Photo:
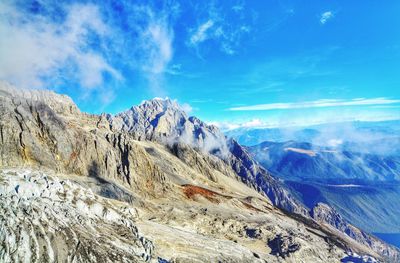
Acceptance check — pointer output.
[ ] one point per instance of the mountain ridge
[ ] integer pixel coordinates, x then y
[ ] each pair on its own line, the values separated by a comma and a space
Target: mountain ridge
364, 187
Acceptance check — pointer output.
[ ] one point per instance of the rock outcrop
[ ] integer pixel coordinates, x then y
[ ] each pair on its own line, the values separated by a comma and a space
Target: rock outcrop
256, 176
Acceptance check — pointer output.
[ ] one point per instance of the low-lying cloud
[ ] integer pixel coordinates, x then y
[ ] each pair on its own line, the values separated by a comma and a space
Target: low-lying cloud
316, 104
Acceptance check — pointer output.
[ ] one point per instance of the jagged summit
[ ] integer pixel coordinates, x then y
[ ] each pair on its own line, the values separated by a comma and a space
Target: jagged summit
166, 102
164, 120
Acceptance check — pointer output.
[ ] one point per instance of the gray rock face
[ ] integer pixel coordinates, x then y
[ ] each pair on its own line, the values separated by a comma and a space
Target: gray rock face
163, 120
327, 215
43, 129
253, 174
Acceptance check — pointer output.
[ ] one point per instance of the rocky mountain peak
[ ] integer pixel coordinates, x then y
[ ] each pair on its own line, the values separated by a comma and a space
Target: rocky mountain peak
161, 104
165, 121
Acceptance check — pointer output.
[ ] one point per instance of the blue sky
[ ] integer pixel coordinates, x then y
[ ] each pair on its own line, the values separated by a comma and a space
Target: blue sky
234, 63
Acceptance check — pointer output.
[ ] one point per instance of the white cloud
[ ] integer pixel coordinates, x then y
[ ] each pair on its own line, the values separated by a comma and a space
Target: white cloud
237, 8
317, 104
213, 26
201, 33
86, 45
157, 39
186, 108
253, 123
153, 46
227, 126
35, 48
224, 125
334, 142
227, 48
326, 16
302, 120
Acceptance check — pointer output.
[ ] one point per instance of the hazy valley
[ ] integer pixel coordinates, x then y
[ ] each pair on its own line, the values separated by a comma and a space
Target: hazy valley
355, 170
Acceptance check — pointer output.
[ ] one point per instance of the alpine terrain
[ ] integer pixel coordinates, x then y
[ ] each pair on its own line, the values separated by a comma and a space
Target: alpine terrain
150, 184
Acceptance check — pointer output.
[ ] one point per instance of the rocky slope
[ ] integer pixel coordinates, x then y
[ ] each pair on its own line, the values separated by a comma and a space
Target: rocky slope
46, 219
325, 214
163, 120
189, 199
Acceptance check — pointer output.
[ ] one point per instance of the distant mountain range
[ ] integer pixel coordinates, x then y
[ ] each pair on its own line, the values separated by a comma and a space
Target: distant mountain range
363, 187
339, 165
377, 137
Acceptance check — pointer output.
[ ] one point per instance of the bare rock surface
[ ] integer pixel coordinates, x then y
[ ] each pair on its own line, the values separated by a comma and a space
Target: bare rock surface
45, 219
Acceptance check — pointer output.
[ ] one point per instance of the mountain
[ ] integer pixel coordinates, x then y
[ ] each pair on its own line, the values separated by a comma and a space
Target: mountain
307, 161
165, 122
380, 137
363, 187
147, 185
325, 214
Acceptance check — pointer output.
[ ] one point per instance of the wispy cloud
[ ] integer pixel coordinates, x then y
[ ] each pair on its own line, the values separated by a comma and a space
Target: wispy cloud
155, 35
238, 7
326, 16
317, 104
231, 125
283, 73
187, 108
85, 45
302, 120
201, 33
214, 26
34, 48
